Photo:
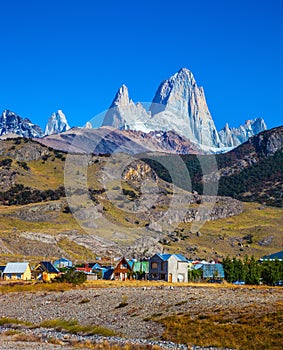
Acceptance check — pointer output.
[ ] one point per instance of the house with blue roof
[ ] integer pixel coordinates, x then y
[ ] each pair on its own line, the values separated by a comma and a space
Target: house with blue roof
272, 257
45, 271
168, 267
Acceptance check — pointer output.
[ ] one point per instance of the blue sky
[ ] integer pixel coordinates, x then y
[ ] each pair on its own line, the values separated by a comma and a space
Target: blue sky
74, 55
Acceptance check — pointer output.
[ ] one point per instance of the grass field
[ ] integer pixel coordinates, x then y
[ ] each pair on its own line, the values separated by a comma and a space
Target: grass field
238, 331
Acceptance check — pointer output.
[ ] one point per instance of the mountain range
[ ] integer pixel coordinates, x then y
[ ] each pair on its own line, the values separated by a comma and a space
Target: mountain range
179, 105
177, 115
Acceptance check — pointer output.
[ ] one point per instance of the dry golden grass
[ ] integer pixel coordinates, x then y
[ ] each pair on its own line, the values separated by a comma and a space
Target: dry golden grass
107, 346
74, 327
29, 287
239, 331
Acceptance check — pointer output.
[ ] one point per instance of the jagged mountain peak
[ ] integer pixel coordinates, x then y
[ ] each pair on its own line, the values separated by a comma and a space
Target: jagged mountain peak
179, 104
12, 123
57, 123
124, 114
121, 98
185, 74
180, 83
233, 137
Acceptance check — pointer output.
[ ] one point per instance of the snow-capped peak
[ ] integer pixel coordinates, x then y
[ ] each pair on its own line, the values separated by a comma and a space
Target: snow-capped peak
11, 123
57, 123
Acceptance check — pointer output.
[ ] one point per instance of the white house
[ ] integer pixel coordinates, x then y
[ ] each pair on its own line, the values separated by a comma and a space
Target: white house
168, 267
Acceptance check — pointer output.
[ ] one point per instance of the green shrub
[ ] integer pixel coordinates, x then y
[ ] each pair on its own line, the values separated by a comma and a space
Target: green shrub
72, 276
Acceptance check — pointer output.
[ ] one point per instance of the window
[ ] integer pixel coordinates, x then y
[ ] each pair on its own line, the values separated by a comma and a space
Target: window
154, 265
162, 265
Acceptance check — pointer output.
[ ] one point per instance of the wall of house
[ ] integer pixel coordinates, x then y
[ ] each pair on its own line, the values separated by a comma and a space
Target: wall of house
27, 274
161, 271
178, 269
47, 277
19, 276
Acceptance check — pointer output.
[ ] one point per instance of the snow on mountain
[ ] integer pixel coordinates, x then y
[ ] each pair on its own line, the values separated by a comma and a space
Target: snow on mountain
233, 137
124, 114
56, 124
88, 125
11, 123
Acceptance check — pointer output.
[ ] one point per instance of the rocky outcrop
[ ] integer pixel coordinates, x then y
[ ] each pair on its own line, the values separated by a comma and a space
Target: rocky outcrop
23, 150
269, 142
179, 206
11, 123
56, 124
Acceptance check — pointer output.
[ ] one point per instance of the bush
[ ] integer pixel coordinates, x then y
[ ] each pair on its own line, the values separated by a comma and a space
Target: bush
72, 276
6, 162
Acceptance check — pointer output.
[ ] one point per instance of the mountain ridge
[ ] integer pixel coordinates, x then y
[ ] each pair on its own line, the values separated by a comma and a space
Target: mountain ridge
179, 105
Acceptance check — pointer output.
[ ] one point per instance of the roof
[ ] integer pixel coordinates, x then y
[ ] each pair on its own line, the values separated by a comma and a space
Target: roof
123, 262
278, 255
96, 266
16, 267
166, 257
48, 267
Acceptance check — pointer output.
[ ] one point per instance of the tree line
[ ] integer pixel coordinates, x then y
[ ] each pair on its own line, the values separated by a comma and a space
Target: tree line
252, 271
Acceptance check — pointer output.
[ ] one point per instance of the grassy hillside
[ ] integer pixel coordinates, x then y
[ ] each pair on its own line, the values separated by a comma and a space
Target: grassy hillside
36, 223
257, 231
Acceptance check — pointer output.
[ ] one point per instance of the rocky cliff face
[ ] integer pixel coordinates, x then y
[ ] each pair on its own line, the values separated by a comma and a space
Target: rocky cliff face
11, 123
56, 124
180, 104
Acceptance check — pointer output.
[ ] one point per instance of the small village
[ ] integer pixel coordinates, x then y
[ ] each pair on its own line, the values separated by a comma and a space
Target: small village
171, 268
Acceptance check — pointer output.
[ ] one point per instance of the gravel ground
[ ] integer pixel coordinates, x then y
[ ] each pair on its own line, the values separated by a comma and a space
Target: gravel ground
101, 306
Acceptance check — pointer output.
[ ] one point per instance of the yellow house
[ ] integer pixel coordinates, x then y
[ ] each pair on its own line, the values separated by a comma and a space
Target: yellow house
17, 271
45, 271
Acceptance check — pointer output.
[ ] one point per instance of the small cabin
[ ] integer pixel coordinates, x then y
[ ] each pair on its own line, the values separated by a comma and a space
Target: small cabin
17, 271
45, 271
123, 270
